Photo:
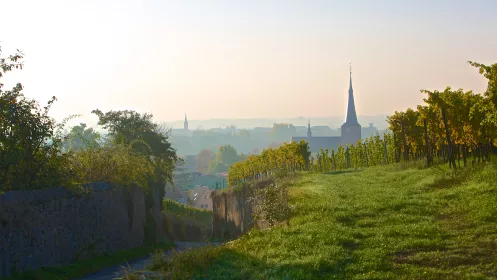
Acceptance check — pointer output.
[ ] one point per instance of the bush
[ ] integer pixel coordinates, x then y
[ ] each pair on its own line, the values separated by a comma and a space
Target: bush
271, 203
114, 163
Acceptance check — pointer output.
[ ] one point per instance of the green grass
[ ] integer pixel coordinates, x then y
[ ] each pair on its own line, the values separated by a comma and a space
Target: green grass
389, 222
85, 267
181, 210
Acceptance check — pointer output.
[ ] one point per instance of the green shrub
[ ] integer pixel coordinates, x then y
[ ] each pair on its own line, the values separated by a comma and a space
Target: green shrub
114, 163
271, 202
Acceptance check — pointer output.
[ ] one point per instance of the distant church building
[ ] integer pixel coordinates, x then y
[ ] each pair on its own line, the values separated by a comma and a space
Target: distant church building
350, 131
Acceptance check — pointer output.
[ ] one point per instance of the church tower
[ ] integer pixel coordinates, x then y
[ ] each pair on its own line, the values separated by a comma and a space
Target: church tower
309, 133
185, 124
351, 129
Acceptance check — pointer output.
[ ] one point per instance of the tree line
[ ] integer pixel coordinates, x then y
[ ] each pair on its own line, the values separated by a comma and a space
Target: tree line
36, 152
454, 125
451, 126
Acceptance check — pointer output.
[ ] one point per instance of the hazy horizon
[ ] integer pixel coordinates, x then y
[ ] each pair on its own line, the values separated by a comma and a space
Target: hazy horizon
245, 59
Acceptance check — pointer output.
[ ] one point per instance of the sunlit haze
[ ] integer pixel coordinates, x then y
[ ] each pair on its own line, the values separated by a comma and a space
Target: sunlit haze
245, 59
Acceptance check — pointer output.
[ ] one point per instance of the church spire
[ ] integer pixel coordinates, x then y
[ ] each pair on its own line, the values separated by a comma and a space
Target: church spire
185, 124
309, 133
351, 114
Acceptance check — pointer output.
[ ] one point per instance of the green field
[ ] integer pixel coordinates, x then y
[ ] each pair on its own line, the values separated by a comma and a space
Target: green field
380, 223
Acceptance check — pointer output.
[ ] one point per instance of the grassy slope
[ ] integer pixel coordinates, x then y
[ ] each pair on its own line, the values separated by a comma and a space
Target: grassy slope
379, 223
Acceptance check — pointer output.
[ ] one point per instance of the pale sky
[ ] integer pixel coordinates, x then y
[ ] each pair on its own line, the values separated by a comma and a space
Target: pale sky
245, 59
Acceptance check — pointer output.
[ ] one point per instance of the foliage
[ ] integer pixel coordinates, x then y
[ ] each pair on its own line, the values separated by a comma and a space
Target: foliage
29, 148
81, 137
377, 223
290, 157
226, 156
35, 154
271, 205
113, 163
146, 138
373, 151
469, 128
204, 160
186, 211
185, 264
468, 132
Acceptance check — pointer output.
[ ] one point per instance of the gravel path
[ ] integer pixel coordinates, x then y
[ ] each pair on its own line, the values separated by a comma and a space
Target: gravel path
139, 264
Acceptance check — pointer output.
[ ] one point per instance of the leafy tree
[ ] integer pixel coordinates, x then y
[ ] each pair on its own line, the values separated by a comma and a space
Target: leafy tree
227, 155
29, 148
81, 137
204, 160
181, 176
145, 137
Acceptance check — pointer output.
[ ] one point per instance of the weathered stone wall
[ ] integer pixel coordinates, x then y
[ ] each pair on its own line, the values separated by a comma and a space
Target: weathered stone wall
41, 228
233, 211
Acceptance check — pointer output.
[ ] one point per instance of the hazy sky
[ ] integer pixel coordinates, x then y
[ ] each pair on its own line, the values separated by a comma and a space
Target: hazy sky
245, 59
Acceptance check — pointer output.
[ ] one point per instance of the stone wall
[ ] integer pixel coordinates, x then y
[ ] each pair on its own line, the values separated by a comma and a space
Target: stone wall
41, 228
233, 211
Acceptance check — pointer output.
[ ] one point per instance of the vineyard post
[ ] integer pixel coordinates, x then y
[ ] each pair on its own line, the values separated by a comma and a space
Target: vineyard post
459, 155
395, 148
426, 145
366, 154
360, 157
404, 142
487, 144
385, 151
347, 158
333, 158
319, 162
452, 162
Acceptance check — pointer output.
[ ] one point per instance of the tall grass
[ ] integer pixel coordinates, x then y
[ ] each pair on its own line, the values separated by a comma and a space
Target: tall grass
380, 223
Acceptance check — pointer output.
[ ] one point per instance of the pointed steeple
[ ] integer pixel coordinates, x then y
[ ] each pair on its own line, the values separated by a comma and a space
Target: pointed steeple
185, 124
309, 133
351, 114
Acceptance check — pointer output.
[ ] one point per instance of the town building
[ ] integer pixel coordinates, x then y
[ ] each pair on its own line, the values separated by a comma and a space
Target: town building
201, 198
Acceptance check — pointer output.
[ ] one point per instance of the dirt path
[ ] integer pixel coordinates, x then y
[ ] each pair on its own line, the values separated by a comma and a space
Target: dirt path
139, 264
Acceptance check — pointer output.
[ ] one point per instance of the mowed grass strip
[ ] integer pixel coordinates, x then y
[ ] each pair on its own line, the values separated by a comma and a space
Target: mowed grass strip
378, 223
